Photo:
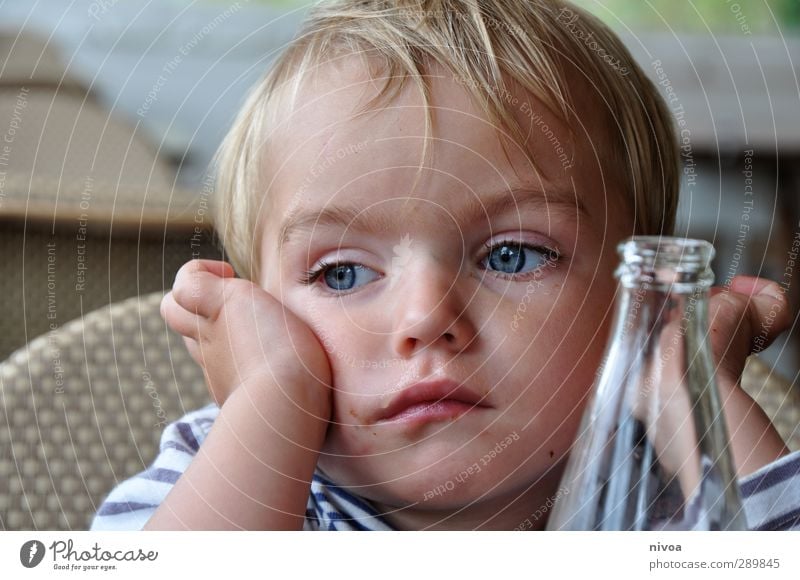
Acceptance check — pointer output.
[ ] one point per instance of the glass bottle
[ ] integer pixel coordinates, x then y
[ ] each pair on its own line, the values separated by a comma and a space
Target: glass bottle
652, 449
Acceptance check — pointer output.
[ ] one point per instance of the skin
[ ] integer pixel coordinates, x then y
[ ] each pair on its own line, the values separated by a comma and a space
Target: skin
303, 372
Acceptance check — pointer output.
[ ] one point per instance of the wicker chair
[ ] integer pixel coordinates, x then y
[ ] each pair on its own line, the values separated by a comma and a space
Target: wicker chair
83, 407
777, 396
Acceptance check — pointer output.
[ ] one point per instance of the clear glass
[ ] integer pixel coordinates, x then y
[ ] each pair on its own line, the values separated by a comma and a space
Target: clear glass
652, 450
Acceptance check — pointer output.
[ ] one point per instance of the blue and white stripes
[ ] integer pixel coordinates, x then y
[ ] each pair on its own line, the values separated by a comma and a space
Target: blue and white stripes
771, 496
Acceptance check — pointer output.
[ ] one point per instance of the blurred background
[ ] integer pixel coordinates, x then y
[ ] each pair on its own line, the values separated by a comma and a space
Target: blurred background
111, 111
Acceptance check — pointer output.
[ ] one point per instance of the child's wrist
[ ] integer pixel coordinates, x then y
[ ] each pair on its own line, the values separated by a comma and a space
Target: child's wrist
754, 440
292, 393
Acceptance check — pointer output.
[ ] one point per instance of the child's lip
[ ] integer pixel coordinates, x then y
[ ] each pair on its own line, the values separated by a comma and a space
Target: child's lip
440, 398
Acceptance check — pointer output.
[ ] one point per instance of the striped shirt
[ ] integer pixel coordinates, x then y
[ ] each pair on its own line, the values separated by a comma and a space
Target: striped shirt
770, 496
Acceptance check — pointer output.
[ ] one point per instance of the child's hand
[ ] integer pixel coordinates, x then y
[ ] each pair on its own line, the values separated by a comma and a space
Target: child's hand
746, 318
238, 333
255, 467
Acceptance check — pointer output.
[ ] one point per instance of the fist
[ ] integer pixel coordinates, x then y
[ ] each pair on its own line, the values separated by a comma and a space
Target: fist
238, 333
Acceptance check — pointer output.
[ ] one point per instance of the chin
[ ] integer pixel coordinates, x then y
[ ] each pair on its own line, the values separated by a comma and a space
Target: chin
422, 486
434, 497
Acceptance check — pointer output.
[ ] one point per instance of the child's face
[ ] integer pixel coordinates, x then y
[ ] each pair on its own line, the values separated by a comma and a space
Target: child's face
430, 300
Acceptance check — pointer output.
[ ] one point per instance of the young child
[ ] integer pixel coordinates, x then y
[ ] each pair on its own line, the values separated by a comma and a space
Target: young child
422, 201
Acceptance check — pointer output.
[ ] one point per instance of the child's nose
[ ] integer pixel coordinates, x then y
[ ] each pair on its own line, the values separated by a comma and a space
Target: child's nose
431, 314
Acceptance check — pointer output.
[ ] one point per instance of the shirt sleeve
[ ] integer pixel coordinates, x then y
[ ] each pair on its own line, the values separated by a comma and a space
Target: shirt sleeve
131, 503
771, 495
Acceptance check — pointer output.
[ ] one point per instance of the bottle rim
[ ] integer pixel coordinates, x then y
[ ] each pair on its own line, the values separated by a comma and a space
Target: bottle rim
666, 260
667, 250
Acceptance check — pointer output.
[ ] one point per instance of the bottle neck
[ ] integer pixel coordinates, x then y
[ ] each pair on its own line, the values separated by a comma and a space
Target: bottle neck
647, 308
668, 265
663, 284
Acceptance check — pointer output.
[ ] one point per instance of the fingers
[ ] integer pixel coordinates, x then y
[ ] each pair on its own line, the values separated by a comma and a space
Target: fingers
766, 309
179, 319
198, 286
770, 307
744, 319
217, 267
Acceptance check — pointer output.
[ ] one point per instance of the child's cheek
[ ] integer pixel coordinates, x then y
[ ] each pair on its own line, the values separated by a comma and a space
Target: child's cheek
354, 440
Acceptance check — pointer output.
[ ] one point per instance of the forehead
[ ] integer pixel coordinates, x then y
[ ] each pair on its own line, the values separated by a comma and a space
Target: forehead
332, 151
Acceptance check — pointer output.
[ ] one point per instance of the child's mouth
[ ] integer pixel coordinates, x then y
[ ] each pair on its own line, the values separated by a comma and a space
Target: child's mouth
430, 401
432, 411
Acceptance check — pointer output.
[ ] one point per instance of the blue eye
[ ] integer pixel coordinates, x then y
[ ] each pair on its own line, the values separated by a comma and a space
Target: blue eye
342, 276
514, 257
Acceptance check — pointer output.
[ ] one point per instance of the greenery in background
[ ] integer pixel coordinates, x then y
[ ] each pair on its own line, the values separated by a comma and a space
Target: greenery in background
284, 3
699, 16
695, 16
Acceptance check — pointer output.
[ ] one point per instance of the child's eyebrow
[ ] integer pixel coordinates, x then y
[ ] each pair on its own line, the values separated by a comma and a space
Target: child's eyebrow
350, 216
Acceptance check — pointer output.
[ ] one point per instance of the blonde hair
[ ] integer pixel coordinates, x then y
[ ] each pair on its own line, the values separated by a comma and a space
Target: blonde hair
483, 43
